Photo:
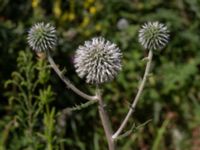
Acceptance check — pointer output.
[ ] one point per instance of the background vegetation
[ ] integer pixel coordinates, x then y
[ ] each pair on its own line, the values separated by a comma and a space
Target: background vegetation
33, 114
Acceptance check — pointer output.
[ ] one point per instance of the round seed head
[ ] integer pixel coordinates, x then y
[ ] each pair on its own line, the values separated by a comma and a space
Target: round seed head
153, 36
98, 61
42, 37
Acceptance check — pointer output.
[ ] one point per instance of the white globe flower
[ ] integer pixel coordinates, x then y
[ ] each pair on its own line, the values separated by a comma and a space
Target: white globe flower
153, 36
42, 37
98, 61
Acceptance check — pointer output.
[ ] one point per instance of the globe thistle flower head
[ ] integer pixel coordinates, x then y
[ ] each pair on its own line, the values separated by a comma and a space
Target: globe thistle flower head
98, 61
42, 37
153, 36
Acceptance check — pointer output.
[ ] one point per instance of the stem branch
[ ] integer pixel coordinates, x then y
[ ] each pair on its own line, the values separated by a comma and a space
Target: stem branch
105, 121
67, 82
135, 101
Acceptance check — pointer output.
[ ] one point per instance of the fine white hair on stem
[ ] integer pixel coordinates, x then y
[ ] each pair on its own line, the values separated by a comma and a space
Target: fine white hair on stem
153, 35
42, 37
137, 97
98, 60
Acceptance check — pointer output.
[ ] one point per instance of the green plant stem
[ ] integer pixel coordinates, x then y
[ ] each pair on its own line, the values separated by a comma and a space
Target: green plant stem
5, 134
105, 121
160, 134
135, 101
66, 81
49, 127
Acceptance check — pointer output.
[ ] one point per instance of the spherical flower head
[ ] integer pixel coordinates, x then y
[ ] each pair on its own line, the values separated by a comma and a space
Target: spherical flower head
42, 37
98, 61
153, 36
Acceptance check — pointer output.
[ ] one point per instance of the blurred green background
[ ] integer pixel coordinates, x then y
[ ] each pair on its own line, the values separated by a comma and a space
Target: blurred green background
33, 112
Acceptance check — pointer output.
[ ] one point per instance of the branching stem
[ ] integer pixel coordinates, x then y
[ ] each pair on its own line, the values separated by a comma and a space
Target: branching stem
67, 82
105, 121
135, 101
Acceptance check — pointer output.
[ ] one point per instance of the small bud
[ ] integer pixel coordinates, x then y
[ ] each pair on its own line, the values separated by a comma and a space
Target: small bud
153, 36
98, 61
42, 37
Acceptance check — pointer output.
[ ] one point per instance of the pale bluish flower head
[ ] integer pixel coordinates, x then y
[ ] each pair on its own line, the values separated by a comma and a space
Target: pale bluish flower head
42, 37
122, 24
98, 61
153, 36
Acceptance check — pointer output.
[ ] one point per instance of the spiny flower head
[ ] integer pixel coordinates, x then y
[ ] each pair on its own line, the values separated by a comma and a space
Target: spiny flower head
153, 36
42, 37
98, 60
